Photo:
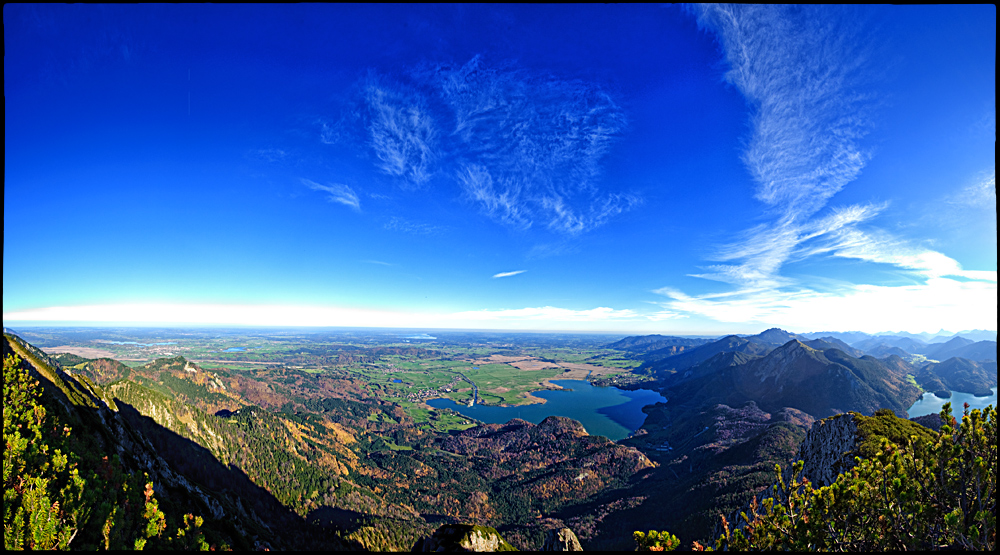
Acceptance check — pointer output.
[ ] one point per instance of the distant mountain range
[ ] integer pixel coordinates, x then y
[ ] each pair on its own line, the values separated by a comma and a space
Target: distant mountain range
904, 346
650, 343
942, 336
907, 344
820, 376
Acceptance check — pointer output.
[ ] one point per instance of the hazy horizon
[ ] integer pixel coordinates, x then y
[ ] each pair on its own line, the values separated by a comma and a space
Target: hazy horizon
613, 169
194, 328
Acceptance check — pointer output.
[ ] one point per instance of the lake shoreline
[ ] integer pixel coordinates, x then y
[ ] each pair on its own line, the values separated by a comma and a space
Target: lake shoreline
603, 411
930, 403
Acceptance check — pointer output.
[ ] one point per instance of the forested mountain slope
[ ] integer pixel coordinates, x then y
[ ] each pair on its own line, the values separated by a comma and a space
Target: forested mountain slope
314, 471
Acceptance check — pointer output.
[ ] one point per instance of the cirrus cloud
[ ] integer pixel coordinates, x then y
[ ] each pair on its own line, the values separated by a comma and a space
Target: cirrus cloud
525, 148
341, 194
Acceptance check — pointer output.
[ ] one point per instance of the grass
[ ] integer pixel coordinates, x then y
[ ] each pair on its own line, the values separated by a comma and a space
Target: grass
419, 414
439, 420
447, 421
498, 383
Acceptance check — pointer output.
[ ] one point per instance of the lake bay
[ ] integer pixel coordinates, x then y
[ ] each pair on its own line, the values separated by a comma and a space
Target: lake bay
606, 411
930, 403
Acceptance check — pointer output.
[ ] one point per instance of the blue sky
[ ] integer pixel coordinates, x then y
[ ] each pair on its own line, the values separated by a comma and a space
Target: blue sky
595, 168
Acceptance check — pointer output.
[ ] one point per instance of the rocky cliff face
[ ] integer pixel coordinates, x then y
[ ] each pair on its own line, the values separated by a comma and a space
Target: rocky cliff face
828, 448
464, 537
562, 539
832, 444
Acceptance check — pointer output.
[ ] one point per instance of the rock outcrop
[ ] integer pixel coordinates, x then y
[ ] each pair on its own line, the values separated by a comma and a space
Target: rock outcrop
832, 444
561, 539
828, 449
464, 537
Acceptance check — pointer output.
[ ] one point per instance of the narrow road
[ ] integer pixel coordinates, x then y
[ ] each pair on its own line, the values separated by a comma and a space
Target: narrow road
475, 388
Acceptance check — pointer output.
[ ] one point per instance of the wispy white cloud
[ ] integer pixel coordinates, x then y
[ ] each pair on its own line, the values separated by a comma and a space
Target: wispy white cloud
981, 193
885, 249
762, 250
338, 193
531, 145
508, 274
799, 69
329, 133
378, 262
940, 302
402, 132
525, 148
502, 202
404, 225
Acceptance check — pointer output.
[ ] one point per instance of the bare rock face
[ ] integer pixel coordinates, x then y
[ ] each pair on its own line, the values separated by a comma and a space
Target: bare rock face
827, 447
464, 537
561, 539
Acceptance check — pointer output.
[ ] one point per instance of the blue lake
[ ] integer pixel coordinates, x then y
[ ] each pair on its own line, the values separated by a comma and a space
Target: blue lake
931, 403
234, 350
605, 411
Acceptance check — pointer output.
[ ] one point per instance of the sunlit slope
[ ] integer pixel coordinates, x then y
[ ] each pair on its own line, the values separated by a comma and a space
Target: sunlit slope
115, 461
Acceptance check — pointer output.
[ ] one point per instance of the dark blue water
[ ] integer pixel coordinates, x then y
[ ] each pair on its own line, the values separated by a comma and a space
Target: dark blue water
397, 380
603, 411
931, 403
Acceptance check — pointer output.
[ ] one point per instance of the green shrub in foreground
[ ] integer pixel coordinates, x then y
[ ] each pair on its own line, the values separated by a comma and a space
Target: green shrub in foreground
937, 493
60, 494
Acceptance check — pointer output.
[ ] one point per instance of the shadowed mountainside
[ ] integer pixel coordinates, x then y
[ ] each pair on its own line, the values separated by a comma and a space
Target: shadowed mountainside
958, 374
